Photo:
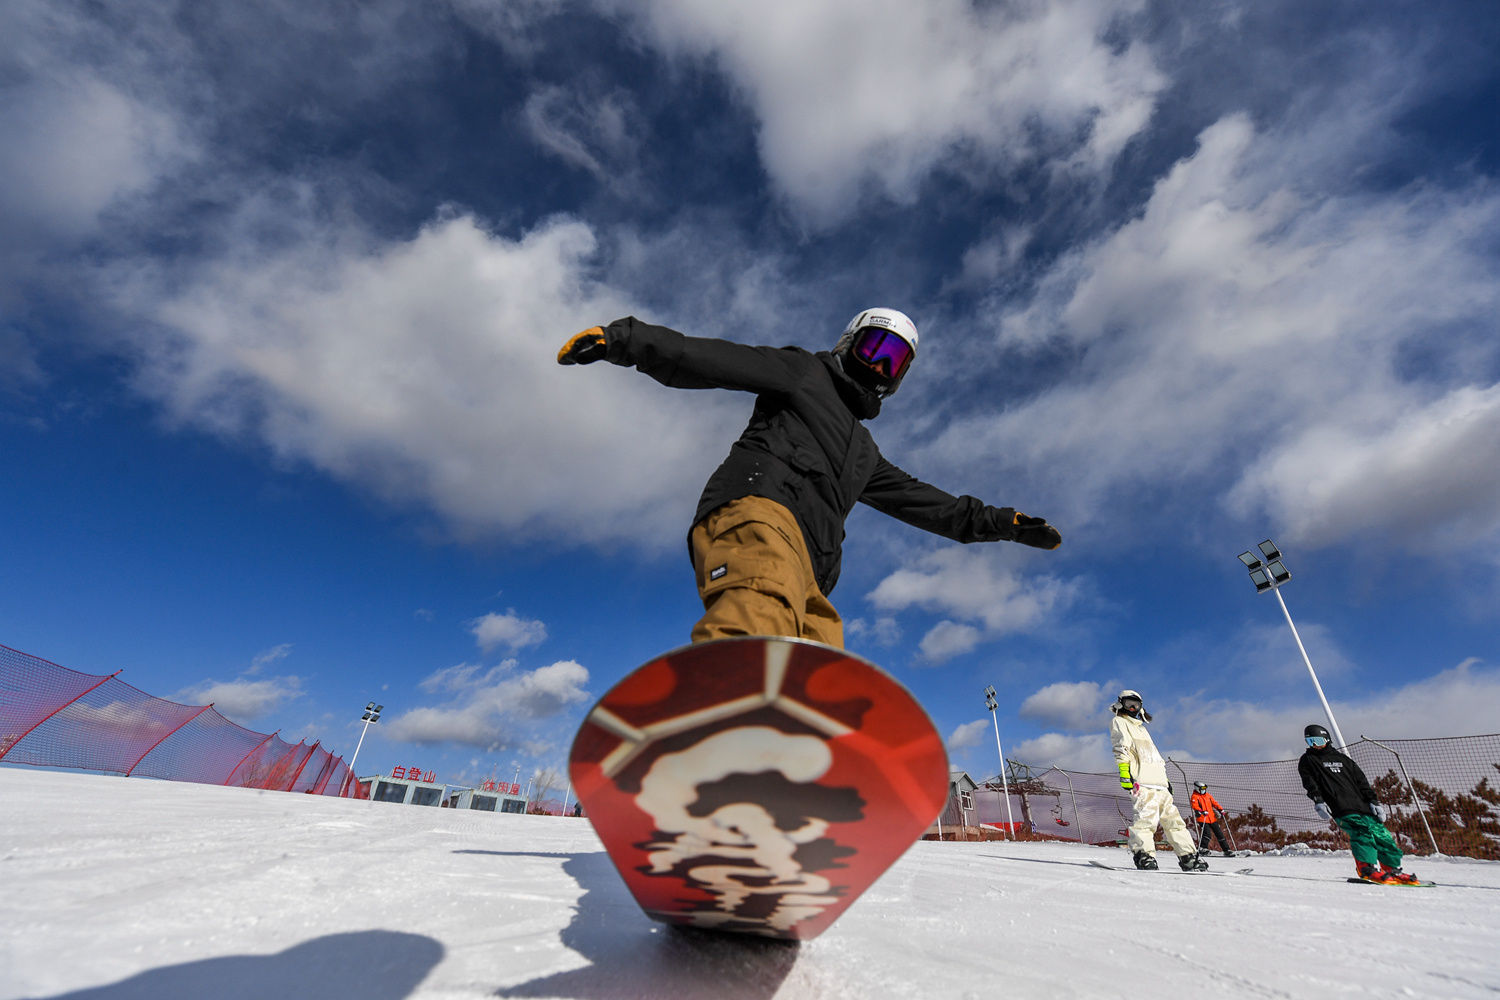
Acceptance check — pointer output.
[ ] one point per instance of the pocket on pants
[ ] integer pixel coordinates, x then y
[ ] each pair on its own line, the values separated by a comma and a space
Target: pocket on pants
751, 554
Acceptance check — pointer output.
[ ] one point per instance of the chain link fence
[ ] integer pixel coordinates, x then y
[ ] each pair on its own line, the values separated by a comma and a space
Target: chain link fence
51, 716
1443, 797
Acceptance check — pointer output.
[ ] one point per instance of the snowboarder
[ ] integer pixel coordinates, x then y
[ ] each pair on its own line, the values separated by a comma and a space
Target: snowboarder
1340, 792
767, 535
1143, 774
1206, 811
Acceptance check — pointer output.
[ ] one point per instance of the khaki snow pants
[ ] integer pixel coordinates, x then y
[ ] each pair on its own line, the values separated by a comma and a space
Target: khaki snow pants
1154, 806
755, 576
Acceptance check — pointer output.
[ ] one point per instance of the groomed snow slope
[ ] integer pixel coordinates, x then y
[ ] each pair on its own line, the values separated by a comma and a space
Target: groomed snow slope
115, 888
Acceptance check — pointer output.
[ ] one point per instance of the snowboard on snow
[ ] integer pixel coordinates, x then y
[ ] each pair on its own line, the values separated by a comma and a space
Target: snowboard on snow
1169, 868
1395, 885
757, 785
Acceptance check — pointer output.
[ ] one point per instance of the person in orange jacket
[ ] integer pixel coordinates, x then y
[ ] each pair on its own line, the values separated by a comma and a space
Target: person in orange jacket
1206, 810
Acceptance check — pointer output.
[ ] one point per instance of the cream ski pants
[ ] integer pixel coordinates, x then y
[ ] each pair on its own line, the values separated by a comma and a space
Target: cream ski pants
1153, 807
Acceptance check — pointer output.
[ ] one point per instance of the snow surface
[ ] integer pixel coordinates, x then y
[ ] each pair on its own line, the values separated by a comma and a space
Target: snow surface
114, 888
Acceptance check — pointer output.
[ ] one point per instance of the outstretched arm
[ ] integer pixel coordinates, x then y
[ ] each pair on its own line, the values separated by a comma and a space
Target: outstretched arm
684, 362
963, 519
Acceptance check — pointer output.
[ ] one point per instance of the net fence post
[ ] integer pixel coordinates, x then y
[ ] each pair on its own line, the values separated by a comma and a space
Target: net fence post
269, 738
1197, 827
1410, 791
169, 732
59, 708
1071, 797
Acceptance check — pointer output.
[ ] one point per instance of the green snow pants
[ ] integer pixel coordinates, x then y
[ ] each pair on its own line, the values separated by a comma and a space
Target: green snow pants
1369, 840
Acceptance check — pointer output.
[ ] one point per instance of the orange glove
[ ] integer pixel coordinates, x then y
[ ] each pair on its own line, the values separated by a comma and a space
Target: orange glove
585, 348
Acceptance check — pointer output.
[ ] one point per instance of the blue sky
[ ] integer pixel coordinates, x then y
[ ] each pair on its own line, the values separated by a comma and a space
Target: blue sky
282, 286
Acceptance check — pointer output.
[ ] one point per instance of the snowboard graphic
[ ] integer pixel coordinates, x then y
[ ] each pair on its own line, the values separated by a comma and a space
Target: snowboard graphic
757, 785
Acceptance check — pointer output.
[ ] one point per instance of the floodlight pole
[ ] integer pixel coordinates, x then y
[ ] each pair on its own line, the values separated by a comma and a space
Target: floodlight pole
1327, 709
991, 702
372, 716
1270, 575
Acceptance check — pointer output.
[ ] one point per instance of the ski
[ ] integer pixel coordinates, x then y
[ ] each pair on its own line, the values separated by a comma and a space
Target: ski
1132, 868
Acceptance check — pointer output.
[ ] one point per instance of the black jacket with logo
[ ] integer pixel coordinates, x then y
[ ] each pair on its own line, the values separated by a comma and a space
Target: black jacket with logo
1337, 780
804, 447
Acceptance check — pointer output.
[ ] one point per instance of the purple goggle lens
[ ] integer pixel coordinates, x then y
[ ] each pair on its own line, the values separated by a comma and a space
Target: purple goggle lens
883, 350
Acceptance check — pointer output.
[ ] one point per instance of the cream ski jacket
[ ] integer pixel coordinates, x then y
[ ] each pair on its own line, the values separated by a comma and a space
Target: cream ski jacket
1132, 743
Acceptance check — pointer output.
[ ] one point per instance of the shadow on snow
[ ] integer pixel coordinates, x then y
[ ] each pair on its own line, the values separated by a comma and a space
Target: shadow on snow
630, 955
371, 965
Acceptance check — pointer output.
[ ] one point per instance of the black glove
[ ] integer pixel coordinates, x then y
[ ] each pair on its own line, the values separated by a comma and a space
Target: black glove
1033, 531
585, 348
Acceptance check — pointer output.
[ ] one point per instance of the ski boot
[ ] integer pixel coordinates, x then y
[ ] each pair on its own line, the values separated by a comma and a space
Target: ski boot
1192, 863
1395, 876
1371, 873
1145, 862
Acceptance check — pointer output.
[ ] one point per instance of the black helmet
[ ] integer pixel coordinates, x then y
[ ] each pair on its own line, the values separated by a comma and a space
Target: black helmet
1317, 737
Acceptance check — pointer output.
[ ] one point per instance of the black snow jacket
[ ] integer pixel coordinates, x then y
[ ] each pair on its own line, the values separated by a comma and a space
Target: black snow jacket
1337, 780
804, 447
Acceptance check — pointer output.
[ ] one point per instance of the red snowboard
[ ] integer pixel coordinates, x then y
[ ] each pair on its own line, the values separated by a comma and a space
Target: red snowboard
757, 785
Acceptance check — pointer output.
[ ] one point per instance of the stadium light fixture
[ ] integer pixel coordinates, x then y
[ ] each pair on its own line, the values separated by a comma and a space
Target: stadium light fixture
992, 703
371, 716
1270, 575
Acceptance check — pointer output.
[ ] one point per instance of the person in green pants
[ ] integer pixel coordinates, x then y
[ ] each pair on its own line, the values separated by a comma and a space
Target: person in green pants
1340, 792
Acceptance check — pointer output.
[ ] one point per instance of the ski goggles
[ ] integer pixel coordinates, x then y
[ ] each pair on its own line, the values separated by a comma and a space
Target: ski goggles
883, 351
1317, 742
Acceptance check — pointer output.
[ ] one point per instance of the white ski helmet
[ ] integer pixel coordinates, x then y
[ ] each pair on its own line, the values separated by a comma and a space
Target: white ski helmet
877, 349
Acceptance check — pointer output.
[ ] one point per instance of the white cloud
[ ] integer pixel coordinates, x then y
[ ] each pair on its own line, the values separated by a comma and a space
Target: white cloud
243, 699
1463, 700
509, 630
969, 734
1072, 752
465, 676
859, 95
882, 631
498, 708
1074, 706
946, 639
1323, 352
1435, 463
594, 133
74, 144
972, 583
267, 657
426, 371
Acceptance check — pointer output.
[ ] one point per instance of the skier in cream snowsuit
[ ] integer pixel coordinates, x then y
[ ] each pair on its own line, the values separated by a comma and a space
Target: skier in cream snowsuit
1143, 774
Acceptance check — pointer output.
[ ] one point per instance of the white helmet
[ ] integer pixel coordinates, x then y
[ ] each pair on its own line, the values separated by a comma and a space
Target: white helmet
877, 348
